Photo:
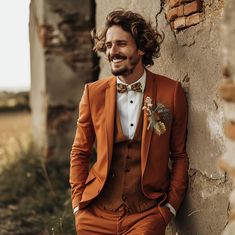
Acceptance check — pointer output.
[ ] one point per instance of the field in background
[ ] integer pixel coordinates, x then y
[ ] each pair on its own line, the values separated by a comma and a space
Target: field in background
15, 134
35, 196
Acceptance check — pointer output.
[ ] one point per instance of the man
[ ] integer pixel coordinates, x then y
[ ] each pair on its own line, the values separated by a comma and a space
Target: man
138, 120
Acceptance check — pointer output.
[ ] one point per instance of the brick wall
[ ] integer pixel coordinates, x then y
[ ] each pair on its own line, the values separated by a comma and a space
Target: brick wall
184, 13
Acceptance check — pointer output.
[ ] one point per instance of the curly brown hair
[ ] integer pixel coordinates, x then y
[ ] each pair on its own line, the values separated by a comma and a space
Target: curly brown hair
146, 37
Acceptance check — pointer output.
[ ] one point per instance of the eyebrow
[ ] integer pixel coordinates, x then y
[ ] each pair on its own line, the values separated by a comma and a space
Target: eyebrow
117, 41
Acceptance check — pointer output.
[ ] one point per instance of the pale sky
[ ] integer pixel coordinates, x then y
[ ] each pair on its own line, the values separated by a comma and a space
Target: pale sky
14, 45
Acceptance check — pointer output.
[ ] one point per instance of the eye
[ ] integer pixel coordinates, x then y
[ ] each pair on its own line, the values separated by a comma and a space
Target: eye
122, 44
108, 45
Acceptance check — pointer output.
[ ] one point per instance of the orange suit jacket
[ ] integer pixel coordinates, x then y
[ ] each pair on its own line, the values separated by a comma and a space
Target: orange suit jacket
96, 123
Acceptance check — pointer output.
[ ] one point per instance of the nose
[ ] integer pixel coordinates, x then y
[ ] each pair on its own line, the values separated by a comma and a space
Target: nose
113, 49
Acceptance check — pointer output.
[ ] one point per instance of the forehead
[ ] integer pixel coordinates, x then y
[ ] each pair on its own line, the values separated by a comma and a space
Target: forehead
116, 33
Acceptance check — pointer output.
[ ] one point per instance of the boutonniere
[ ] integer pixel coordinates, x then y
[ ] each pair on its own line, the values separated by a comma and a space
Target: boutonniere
158, 116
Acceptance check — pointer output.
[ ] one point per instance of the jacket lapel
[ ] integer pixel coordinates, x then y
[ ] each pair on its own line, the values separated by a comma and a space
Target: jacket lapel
110, 108
150, 91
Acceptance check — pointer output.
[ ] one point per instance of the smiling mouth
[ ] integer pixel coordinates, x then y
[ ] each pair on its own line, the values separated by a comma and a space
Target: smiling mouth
117, 58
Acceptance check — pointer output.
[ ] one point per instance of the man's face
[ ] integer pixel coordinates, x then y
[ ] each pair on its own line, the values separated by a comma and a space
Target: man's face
121, 51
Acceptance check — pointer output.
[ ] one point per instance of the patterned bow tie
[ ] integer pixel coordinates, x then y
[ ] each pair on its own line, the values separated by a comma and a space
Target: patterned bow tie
122, 88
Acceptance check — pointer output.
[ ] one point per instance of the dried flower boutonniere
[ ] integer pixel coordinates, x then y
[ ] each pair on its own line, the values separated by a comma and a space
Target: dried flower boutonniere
158, 116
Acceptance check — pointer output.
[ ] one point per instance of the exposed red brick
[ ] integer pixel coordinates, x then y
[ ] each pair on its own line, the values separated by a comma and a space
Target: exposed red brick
180, 10
45, 33
175, 12
58, 118
172, 14
174, 3
186, 1
194, 19
229, 130
172, 24
227, 91
195, 6
179, 23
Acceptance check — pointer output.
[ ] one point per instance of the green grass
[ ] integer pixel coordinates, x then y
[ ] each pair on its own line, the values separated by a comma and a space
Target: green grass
35, 197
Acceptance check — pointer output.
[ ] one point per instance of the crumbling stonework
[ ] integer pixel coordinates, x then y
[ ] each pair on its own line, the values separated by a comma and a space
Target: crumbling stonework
193, 56
62, 61
184, 13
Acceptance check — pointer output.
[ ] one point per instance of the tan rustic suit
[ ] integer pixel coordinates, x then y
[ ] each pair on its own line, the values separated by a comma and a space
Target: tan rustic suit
96, 123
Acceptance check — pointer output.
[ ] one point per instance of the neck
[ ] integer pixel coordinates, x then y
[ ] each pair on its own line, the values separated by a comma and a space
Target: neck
133, 77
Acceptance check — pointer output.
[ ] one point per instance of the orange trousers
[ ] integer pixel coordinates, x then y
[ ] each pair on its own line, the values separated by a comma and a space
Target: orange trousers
94, 220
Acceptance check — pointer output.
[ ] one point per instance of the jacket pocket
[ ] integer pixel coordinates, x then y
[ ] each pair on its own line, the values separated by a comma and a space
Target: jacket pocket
90, 177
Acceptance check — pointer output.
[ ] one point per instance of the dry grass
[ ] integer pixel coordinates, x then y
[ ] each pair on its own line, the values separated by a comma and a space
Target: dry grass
15, 134
34, 198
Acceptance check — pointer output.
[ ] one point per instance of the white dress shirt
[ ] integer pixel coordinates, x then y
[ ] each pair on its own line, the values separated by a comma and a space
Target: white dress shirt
129, 106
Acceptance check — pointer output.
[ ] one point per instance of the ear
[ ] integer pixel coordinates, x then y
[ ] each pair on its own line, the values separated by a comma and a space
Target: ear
140, 52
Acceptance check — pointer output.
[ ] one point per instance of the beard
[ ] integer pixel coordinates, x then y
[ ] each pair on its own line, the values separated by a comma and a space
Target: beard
121, 71
125, 70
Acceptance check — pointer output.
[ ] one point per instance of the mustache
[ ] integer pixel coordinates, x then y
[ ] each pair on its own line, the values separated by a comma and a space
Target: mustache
116, 56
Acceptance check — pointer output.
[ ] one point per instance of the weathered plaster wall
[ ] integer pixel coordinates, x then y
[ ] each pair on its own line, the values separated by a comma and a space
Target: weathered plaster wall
61, 63
193, 56
38, 81
227, 92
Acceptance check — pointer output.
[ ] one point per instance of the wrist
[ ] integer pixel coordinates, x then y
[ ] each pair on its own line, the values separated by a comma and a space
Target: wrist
75, 210
171, 208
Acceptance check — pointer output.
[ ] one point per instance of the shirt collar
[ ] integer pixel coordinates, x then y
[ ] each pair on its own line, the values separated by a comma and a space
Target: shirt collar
142, 80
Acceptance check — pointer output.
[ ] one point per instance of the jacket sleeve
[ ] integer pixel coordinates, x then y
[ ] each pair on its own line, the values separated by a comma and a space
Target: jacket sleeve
81, 149
180, 163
